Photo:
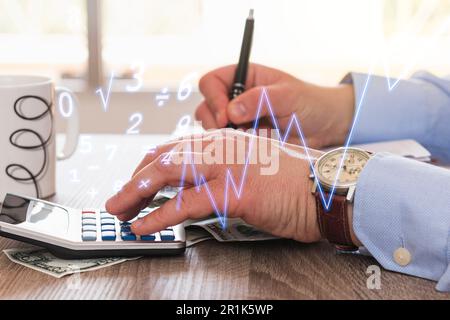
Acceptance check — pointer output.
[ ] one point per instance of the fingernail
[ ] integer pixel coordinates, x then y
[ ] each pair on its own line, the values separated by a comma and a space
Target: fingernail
238, 109
138, 223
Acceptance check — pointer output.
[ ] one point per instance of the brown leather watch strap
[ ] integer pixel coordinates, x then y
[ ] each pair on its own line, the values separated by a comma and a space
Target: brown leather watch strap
334, 224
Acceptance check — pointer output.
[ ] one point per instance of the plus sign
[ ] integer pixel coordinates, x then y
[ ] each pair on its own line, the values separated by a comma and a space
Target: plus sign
144, 184
93, 193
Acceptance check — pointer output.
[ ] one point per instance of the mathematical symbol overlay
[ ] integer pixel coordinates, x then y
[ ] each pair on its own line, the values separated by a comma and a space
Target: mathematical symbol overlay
162, 97
144, 184
93, 193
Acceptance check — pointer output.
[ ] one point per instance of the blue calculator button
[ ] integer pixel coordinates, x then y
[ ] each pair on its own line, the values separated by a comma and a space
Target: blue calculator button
167, 235
89, 236
125, 223
148, 237
108, 235
128, 236
125, 228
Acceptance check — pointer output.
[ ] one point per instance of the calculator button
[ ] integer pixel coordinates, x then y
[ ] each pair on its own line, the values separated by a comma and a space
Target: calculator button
125, 228
108, 227
91, 222
87, 211
148, 237
167, 235
108, 221
88, 216
108, 235
89, 228
124, 223
128, 236
89, 236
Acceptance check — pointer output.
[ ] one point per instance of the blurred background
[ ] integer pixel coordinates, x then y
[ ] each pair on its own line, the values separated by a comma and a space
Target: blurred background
151, 53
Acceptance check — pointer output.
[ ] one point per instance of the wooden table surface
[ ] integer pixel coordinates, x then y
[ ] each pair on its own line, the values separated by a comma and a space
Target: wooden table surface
210, 270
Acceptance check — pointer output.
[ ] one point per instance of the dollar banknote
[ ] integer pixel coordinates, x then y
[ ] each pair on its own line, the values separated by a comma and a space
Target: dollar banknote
168, 192
235, 230
42, 260
196, 235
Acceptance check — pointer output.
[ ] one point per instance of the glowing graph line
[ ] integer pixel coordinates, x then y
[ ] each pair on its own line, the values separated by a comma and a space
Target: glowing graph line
416, 56
200, 180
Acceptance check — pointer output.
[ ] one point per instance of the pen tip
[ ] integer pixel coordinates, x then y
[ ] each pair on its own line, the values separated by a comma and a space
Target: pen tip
250, 14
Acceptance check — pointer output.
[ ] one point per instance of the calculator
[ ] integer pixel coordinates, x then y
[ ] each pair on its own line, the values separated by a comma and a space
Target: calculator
84, 233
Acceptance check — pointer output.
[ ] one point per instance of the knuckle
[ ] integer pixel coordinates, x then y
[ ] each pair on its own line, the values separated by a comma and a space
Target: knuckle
186, 199
202, 83
162, 162
214, 103
158, 219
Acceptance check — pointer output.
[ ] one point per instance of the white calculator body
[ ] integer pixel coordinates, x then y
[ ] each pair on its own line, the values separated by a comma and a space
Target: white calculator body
82, 233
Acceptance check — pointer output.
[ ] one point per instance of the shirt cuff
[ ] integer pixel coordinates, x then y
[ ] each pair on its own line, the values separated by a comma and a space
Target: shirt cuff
401, 203
383, 114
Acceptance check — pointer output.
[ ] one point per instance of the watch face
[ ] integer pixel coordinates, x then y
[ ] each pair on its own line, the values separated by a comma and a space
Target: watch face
327, 167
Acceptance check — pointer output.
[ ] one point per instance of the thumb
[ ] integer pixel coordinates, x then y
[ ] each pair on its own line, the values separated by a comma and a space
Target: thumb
244, 108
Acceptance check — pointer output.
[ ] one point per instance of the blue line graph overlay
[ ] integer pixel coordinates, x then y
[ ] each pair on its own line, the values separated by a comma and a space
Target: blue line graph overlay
200, 180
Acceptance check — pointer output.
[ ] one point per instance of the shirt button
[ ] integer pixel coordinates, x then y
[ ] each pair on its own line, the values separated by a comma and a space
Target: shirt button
402, 256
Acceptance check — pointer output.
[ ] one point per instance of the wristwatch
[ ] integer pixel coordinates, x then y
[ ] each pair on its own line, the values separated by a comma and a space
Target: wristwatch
333, 217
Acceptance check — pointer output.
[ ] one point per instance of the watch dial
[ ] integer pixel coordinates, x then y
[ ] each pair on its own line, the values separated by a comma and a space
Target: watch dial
352, 165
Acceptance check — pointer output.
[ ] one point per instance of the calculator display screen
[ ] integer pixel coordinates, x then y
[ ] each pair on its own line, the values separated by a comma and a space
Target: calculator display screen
14, 209
35, 214
47, 218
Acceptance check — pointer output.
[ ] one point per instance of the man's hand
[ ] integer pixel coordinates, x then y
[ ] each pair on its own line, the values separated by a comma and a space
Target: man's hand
325, 113
280, 203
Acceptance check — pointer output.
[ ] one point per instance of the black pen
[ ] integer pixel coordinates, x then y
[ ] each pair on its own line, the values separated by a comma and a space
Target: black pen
241, 70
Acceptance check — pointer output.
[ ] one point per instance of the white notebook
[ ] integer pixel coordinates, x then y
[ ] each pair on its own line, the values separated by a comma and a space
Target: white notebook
406, 148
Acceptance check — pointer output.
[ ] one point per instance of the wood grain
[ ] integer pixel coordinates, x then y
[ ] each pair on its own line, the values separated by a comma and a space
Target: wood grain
281, 269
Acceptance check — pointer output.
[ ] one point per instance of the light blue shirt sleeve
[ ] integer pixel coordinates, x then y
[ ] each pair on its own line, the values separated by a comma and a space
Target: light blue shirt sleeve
416, 108
403, 203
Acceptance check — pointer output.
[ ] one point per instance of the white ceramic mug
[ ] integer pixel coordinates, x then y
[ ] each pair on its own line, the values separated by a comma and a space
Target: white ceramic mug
27, 135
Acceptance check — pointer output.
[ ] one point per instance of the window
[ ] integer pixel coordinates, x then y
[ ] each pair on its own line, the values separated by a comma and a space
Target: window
318, 40
43, 37
161, 39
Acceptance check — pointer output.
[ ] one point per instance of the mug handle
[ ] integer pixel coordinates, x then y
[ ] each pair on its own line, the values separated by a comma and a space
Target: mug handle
72, 128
